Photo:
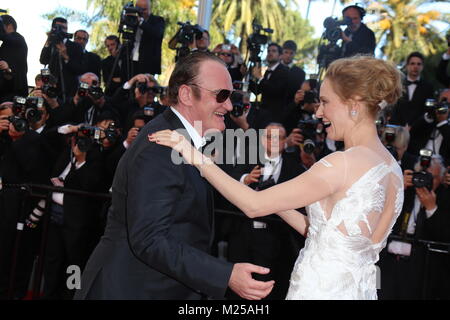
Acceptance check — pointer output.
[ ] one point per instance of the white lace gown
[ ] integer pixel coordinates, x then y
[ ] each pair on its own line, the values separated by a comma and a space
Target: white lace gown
338, 260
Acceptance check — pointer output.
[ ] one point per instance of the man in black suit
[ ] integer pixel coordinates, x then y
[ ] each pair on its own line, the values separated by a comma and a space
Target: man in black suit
442, 73
411, 106
358, 39
64, 59
146, 53
112, 43
159, 231
14, 51
432, 131
274, 85
296, 74
91, 62
268, 241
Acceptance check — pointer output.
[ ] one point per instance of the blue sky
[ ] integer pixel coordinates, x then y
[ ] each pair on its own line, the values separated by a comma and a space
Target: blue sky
28, 14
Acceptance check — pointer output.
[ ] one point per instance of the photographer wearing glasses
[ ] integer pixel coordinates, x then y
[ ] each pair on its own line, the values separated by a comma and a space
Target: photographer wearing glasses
358, 39
90, 61
230, 54
63, 57
13, 59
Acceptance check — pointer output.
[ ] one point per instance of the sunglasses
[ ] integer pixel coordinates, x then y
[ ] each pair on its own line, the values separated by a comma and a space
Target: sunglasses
221, 95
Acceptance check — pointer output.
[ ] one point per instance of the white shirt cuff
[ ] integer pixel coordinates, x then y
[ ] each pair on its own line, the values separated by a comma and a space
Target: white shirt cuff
430, 212
446, 56
126, 144
64, 129
243, 178
127, 86
442, 123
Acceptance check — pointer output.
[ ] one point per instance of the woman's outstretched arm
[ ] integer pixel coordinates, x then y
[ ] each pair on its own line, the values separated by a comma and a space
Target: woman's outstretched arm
296, 220
303, 190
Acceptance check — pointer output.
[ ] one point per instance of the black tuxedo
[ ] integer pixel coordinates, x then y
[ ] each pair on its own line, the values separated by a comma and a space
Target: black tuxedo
295, 80
274, 91
150, 46
159, 231
107, 65
409, 111
422, 131
14, 50
276, 246
363, 42
70, 70
91, 62
441, 73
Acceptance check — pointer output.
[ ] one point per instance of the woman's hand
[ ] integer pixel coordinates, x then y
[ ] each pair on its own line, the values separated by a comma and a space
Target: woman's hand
178, 143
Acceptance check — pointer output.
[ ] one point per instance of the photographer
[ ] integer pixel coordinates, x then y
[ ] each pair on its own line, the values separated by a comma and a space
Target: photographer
358, 39
229, 53
13, 56
112, 43
89, 100
23, 159
138, 93
90, 61
296, 74
273, 86
396, 139
266, 241
424, 217
441, 71
6, 81
74, 227
146, 53
432, 131
416, 90
63, 57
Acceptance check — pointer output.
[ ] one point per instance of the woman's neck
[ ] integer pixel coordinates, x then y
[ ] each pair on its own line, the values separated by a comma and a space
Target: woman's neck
363, 133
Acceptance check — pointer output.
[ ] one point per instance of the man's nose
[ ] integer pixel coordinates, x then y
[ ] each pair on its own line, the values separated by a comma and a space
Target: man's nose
228, 105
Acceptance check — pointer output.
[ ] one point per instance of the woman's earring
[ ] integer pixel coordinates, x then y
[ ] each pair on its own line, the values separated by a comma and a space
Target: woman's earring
353, 113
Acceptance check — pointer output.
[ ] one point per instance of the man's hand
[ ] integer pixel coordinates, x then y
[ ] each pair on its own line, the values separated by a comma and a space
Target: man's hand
132, 134
52, 102
427, 198
299, 96
242, 120
242, 283
62, 49
295, 138
139, 78
407, 178
447, 177
253, 176
345, 38
4, 65
256, 72
308, 159
4, 124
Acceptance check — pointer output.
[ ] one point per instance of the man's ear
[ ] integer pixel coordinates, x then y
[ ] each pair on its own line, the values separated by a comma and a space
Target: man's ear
185, 95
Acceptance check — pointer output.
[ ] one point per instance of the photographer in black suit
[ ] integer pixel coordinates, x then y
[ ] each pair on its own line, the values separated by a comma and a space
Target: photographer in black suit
112, 43
411, 106
441, 73
146, 53
91, 62
14, 52
273, 86
296, 74
357, 37
63, 57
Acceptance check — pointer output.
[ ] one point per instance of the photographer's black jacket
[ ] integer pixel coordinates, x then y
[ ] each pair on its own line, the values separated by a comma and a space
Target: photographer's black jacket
107, 65
91, 62
363, 42
14, 51
150, 46
71, 70
441, 73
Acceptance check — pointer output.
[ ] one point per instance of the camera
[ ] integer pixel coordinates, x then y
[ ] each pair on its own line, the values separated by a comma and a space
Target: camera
262, 185
433, 107
309, 130
94, 91
27, 108
331, 51
333, 32
188, 33
143, 88
256, 40
111, 133
423, 178
47, 88
57, 35
87, 136
389, 137
19, 123
129, 20
83, 89
238, 98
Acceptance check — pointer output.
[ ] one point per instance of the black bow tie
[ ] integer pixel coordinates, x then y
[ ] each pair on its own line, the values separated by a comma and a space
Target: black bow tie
408, 83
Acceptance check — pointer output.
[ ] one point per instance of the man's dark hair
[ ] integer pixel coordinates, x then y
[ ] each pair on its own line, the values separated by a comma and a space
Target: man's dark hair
114, 38
58, 19
290, 45
186, 72
7, 20
415, 54
81, 30
280, 50
52, 78
361, 11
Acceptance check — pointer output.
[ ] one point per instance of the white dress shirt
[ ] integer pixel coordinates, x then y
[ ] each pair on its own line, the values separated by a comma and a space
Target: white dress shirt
411, 88
198, 140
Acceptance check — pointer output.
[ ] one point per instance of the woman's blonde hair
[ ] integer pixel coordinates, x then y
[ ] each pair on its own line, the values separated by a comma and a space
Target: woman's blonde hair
370, 79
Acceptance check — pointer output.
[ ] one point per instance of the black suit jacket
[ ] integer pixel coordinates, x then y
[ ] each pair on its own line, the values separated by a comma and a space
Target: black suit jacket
107, 65
409, 111
70, 70
91, 62
14, 50
274, 91
363, 42
295, 80
159, 231
442, 74
150, 46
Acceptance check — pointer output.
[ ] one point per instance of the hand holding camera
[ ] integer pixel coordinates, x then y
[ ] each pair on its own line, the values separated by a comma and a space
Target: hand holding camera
4, 124
253, 176
427, 198
407, 178
295, 138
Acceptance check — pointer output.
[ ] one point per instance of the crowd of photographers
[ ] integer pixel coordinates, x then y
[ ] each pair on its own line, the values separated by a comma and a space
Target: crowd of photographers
83, 113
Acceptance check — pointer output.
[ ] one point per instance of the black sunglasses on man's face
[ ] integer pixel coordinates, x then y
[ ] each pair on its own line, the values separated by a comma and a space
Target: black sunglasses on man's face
221, 95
